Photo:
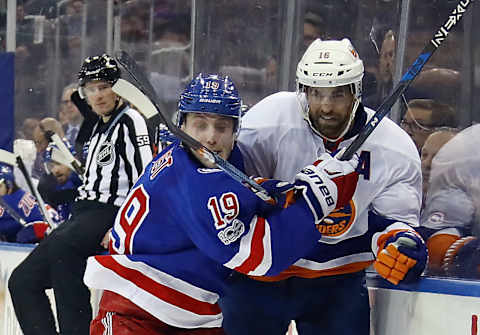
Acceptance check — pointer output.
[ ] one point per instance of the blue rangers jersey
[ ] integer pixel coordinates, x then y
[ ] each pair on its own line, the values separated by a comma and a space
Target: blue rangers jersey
276, 142
24, 204
184, 228
64, 209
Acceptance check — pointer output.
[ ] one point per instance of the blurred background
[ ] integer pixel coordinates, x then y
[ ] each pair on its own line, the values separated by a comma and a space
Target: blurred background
257, 42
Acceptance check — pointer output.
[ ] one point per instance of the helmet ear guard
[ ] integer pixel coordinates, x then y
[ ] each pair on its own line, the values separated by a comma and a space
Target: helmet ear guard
330, 63
211, 94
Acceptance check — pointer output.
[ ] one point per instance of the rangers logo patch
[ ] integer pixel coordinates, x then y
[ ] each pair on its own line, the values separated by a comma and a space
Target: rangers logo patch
163, 162
106, 154
338, 222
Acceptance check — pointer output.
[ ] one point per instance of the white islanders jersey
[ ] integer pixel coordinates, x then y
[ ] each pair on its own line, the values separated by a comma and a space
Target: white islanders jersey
276, 142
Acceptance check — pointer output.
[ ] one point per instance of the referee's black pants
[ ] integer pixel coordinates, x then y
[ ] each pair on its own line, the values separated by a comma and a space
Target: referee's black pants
59, 262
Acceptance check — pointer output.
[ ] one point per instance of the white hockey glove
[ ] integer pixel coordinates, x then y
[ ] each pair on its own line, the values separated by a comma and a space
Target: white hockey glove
328, 184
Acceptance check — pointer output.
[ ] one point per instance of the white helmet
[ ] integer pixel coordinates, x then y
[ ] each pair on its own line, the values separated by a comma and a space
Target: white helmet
330, 64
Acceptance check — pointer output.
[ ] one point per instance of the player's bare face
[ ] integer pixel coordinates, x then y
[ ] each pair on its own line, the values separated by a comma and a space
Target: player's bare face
215, 132
330, 109
100, 97
60, 171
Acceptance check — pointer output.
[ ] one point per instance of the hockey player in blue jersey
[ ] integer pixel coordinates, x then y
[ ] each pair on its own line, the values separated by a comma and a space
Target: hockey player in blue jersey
186, 225
34, 228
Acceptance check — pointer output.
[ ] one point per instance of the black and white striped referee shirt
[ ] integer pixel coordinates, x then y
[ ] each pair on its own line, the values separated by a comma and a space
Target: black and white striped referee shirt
118, 151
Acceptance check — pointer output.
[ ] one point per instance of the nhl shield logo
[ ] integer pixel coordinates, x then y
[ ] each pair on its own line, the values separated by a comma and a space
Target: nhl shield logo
106, 154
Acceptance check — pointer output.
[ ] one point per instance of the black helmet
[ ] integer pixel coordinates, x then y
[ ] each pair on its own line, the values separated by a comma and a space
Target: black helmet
101, 67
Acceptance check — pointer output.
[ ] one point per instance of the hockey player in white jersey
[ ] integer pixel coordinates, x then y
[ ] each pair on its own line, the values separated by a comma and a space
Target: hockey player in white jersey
325, 292
451, 218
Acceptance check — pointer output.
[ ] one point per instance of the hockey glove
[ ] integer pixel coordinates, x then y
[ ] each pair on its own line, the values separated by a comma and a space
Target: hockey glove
462, 258
342, 173
33, 232
281, 191
403, 258
328, 184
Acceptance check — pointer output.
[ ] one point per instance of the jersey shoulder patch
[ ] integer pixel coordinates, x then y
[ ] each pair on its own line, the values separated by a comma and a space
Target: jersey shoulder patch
163, 162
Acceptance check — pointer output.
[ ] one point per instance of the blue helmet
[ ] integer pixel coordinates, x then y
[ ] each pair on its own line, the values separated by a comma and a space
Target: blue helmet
6, 175
213, 94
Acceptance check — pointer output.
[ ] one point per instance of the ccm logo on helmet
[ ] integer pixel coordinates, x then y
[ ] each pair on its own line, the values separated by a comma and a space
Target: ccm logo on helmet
322, 74
321, 185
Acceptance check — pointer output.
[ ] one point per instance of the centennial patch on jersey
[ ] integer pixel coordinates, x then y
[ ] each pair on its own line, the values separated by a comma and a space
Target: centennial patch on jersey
163, 162
338, 222
106, 154
232, 232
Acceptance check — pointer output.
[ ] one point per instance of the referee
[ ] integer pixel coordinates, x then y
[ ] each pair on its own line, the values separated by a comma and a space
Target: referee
118, 150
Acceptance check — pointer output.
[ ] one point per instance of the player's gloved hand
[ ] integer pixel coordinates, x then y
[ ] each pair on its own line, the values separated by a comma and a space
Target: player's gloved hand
462, 258
282, 192
346, 180
403, 258
33, 232
328, 184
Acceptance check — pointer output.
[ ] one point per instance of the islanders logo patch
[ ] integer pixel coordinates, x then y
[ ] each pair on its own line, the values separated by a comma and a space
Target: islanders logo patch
338, 222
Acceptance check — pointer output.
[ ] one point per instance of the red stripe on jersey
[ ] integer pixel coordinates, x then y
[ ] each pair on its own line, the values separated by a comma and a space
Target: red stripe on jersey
256, 249
160, 291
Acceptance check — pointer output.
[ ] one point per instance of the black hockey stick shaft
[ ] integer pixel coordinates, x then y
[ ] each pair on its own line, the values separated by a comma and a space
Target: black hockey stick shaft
12, 212
141, 80
35, 193
455, 17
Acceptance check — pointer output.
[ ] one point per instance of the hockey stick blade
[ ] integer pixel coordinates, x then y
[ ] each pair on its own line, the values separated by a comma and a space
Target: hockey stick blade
134, 94
8, 158
427, 52
69, 159
12, 212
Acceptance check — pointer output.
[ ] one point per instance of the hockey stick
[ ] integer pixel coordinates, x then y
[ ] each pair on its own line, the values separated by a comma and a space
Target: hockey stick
14, 160
12, 212
68, 159
145, 99
408, 77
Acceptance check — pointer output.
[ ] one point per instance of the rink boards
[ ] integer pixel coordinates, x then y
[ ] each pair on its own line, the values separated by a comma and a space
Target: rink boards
432, 306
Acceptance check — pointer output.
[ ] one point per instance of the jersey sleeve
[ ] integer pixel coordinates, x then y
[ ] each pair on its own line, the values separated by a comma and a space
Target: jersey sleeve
137, 148
402, 180
233, 228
